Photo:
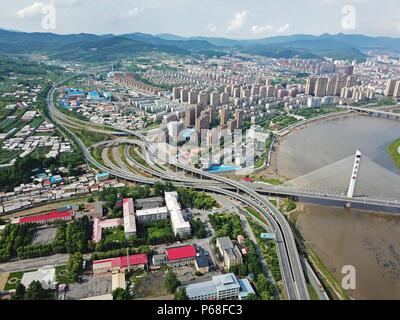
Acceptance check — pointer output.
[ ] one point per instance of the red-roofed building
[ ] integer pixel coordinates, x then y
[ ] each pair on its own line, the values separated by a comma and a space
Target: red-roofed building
45, 218
136, 262
181, 256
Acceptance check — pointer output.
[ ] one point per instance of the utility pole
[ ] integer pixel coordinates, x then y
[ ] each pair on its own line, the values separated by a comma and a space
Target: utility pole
127, 255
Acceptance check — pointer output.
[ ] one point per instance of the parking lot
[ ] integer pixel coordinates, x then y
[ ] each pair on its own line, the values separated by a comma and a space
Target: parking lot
90, 287
44, 235
187, 275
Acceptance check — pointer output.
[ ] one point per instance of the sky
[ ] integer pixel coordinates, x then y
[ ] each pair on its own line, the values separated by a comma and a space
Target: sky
237, 19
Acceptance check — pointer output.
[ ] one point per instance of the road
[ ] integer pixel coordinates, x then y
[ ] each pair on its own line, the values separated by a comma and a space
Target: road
30, 264
292, 273
312, 277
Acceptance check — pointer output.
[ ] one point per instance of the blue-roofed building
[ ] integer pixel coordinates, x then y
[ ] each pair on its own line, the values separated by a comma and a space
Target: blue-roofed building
104, 176
202, 291
107, 95
64, 104
245, 289
223, 287
56, 179
93, 95
268, 236
74, 93
201, 264
186, 134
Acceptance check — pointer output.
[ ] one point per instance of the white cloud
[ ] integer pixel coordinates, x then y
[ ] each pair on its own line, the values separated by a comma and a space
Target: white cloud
126, 15
212, 27
238, 22
36, 9
268, 29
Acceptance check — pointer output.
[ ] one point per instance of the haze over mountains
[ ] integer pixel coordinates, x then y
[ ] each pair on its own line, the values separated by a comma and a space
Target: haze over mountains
91, 47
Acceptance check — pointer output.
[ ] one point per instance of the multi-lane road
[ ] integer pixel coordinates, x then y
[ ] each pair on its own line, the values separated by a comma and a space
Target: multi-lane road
292, 273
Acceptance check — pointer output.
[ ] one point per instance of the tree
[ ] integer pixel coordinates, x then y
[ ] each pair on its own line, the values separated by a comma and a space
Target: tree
20, 292
158, 189
251, 296
120, 294
171, 282
264, 287
181, 294
198, 228
75, 266
35, 291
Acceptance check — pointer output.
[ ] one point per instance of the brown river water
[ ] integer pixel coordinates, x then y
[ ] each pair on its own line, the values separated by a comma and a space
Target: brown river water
369, 241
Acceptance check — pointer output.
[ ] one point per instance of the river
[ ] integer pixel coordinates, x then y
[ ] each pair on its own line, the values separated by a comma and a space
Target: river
369, 241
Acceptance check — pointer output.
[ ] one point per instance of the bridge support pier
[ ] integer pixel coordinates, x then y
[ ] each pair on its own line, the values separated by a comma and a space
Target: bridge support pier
347, 205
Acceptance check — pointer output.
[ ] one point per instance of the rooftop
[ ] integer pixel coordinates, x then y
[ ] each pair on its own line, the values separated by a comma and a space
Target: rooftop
129, 216
245, 288
217, 284
46, 276
225, 243
122, 262
48, 216
150, 211
202, 261
173, 206
179, 253
149, 203
200, 289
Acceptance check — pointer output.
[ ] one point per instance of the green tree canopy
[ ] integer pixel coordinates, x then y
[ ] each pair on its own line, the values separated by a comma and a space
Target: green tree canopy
171, 282
181, 294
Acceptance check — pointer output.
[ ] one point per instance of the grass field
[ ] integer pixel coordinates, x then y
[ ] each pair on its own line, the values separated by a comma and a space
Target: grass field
256, 214
36, 122
394, 152
62, 275
9, 124
14, 280
114, 235
274, 182
6, 156
312, 292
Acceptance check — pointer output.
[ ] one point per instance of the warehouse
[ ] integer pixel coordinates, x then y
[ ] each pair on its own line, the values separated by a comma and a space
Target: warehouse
136, 262
180, 227
129, 218
45, 218
180, 256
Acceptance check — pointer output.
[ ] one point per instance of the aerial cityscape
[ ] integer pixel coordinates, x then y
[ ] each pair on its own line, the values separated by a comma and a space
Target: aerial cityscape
168, 151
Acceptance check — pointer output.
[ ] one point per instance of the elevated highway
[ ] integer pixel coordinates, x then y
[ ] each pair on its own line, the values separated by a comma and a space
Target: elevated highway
289, 260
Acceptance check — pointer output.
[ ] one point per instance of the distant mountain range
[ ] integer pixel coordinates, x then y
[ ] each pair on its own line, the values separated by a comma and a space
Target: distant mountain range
91, 47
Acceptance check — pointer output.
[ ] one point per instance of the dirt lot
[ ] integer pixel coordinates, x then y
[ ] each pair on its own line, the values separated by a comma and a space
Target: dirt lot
151, 287
3, 280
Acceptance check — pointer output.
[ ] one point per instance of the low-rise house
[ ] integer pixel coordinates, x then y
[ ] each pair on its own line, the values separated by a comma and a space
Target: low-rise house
45, 218
229, 252
120, 264
46, 276
180, 256
201, 264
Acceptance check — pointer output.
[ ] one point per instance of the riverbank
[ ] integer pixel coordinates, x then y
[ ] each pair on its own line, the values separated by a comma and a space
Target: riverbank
363, 239
394, 152
273, 172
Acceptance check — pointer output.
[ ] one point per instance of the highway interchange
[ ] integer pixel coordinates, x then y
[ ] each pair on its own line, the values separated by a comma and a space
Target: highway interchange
289, 259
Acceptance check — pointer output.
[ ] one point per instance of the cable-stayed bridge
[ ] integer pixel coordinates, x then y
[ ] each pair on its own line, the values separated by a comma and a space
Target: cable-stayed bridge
355, 179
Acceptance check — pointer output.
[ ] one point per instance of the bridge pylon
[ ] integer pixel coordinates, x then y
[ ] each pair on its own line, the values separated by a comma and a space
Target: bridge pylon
354, 174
